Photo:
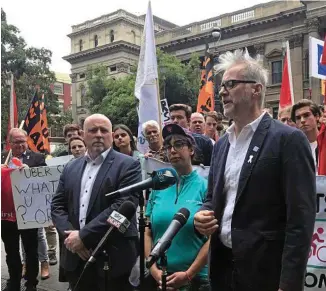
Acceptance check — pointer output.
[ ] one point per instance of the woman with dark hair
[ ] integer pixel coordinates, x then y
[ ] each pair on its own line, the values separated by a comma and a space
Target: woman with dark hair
123, 141
187, 255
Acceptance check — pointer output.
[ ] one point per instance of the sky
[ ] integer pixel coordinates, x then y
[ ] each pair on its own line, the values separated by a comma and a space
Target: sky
44, 23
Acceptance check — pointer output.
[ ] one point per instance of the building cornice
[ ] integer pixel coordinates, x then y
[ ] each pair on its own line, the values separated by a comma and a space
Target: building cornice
117, 46
237, 28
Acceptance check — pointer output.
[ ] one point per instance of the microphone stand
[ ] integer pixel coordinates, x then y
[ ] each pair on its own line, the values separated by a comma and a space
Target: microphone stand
142, 225
164, 265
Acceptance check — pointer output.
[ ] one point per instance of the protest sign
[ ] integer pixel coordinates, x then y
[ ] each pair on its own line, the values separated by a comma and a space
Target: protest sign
316, 267
33, 189
165, 112
59, 160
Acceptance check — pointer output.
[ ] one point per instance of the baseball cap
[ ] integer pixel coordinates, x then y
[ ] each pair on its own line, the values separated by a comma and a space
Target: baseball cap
173, 128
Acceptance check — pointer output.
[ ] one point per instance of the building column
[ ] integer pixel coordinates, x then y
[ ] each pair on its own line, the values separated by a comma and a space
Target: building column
74, 97
313, 27
296, 56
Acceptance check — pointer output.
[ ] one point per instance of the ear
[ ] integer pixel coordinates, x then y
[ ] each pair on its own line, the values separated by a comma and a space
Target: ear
191, 151
81, 133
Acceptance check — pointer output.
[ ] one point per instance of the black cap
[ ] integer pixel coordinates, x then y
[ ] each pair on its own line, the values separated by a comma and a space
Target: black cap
173, 129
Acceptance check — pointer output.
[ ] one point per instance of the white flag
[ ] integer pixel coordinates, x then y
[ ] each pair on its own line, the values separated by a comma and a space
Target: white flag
316, 69
145, 87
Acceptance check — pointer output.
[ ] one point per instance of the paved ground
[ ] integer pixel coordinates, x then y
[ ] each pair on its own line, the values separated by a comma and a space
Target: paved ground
51, 284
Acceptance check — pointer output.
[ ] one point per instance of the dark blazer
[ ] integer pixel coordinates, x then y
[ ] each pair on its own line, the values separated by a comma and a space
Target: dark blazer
117, 171
274, 213
31, 159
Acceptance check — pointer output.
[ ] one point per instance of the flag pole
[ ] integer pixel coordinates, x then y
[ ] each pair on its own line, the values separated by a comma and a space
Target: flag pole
159, 108
9, 153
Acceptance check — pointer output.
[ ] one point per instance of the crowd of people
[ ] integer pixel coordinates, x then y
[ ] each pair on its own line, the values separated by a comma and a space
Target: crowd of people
251, 222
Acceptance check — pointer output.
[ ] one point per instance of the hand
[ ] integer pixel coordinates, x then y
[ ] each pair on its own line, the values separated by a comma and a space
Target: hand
23, 166
156, 274
84, 254
176, 280
205, 222
148, 155
4, 166
73, 242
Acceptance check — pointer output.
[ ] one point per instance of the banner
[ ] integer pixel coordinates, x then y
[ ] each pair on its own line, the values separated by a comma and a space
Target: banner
146, 87
316, 69
36, 126
286, 94
59, 160
316, 267
165, 114
33, 189
206, 91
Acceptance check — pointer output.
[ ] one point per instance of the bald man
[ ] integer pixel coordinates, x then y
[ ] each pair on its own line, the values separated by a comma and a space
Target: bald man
197, 123
80, 209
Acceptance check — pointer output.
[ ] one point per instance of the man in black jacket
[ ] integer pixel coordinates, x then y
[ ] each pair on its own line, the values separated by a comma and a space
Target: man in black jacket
80, 209
261, 202
181, 114
9, 231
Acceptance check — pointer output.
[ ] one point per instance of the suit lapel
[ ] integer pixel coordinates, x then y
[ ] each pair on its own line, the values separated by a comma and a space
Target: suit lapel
102, 173
27, 158
80, 167
253, 154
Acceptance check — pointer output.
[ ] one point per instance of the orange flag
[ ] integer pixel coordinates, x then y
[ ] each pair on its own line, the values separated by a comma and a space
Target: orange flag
206, 92
286, 94
36, 126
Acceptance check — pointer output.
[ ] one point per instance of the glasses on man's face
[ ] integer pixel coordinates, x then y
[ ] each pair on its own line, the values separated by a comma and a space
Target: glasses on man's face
230, 84
177, 145
19, 142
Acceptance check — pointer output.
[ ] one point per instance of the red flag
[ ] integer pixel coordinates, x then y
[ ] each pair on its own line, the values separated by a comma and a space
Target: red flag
36, 126
13, 114
323, 56
286, 94
321, 140
7, 202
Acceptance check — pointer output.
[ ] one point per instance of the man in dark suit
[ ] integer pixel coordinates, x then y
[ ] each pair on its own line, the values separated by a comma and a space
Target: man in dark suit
9, 231
80, 209
261, 190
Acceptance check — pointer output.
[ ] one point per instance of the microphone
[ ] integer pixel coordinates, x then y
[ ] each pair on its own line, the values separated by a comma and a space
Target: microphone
119, 220
159, 180
179, 220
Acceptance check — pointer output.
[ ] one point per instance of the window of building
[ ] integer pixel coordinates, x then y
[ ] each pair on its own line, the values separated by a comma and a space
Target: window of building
80, 45
113, 69
111, 36
276, 72
82, 95
81, 75
306, 66
95, 40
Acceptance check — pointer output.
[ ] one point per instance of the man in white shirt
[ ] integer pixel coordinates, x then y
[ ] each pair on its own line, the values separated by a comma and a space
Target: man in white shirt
260, 224
80, 210
306, 115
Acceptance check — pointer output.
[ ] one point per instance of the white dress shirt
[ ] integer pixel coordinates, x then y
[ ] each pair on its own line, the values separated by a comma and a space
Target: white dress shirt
238, 150
313, 146
87, 183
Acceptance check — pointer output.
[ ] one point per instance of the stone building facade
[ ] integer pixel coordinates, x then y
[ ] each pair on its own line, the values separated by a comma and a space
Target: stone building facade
114, 40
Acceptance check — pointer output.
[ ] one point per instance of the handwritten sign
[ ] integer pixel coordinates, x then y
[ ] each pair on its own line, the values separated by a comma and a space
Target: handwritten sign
316, 267
165, 112
33, 190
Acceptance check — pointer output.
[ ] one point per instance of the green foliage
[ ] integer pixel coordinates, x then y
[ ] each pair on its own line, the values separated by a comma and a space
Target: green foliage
30, 68
178, 82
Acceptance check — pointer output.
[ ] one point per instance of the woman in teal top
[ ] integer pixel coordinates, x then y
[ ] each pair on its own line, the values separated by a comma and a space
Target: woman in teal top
187, 255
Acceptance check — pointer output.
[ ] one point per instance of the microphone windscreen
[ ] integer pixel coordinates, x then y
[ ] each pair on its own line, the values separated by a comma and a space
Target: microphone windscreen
127, 209
182, 216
